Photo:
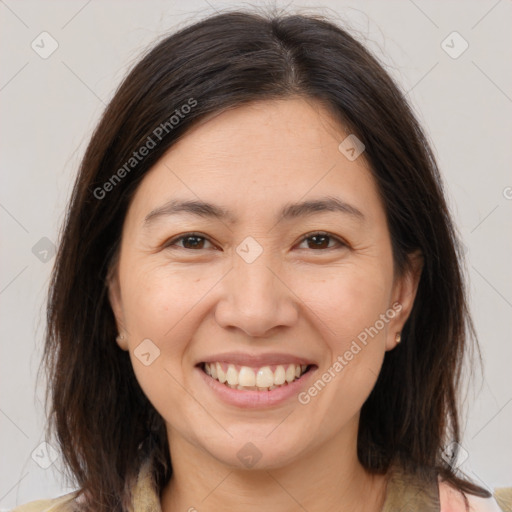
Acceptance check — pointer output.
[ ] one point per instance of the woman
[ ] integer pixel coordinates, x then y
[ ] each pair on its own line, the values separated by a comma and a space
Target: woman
257, 301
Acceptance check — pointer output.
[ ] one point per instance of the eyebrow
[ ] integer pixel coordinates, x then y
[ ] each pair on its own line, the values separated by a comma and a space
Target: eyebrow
288, 212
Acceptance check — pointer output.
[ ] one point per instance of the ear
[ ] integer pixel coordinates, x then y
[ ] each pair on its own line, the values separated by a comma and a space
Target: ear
114, 295
403, 295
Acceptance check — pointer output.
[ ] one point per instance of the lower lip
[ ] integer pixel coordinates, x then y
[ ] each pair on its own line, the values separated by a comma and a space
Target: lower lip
257, 399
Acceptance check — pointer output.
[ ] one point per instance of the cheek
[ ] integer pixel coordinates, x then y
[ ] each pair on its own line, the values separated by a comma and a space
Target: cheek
349, 305
157, 300
158, 307
155, 307
164, 305
348, 301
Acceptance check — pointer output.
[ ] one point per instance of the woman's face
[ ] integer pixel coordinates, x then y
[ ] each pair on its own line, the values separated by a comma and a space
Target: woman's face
256, 291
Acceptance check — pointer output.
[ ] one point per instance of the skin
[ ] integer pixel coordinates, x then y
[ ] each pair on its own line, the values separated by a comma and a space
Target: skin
294, 298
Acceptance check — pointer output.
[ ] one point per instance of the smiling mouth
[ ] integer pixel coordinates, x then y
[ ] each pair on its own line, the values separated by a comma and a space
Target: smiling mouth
245, 378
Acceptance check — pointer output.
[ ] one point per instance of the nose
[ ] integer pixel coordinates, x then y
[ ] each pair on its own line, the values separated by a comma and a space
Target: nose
256, 299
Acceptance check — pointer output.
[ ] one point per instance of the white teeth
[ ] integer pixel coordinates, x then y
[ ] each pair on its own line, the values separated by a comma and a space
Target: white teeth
264, 379
247, 388
246, 377
221, 376
232, 375
279, 376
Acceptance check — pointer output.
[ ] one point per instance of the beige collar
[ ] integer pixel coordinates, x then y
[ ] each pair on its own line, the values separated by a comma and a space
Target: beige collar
403, 492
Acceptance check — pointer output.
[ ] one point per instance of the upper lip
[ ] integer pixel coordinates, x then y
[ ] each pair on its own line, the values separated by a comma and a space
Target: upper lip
256, 360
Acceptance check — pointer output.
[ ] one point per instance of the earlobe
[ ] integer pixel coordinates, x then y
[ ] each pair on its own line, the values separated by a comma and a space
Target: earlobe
114, 295
121, 341
404, 293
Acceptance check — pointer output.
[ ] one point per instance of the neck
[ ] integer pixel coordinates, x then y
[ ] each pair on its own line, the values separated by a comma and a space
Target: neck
329, 478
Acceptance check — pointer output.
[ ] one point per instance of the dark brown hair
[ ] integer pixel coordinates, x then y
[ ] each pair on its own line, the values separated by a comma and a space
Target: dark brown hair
103, 421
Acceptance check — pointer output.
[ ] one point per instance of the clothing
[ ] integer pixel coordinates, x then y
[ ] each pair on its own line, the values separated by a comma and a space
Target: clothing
403, 493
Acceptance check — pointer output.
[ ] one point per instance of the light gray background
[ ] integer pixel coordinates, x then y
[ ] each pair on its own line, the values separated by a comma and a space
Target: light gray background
50, 107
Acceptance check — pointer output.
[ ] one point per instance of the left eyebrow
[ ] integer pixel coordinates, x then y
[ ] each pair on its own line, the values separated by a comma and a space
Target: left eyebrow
289, 211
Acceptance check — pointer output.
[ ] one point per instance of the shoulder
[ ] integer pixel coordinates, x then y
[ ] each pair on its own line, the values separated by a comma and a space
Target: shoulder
63, 503
452, 500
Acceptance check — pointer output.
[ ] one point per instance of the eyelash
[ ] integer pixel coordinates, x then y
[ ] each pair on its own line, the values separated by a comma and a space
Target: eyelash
170, 243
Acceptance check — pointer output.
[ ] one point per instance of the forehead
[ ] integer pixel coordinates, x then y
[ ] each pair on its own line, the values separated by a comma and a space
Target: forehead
257, 156
267, 129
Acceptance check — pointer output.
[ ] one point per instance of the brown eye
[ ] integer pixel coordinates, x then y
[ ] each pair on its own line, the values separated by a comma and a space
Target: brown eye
321, 241
191, 241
